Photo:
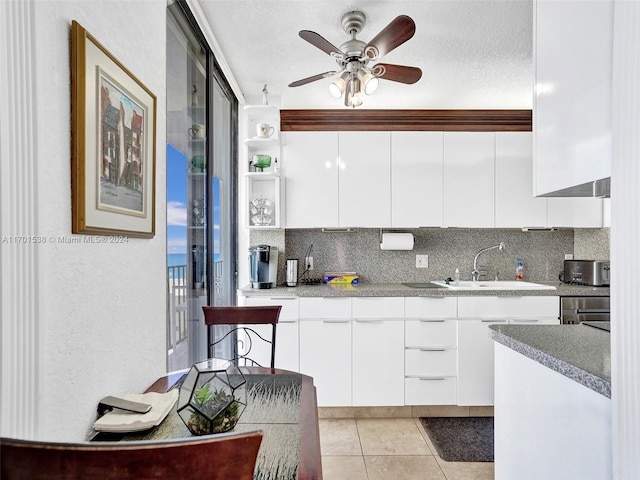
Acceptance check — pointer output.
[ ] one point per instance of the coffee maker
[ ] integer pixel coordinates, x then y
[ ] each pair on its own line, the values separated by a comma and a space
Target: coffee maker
263, 261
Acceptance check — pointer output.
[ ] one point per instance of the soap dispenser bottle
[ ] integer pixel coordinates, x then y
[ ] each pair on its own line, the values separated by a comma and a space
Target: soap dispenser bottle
519, 270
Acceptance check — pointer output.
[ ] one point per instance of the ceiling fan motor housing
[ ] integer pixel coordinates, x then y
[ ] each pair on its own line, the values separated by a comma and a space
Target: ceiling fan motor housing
353, 22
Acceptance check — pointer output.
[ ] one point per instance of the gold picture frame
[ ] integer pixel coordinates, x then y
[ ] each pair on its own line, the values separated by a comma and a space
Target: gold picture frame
113, 144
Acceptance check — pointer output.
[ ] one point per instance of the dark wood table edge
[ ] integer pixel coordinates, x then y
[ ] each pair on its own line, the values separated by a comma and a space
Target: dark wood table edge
310, 466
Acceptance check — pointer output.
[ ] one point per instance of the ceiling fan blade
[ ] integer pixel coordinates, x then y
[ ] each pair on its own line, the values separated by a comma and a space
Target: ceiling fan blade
304, 81
393, 35
397, 73
320, 42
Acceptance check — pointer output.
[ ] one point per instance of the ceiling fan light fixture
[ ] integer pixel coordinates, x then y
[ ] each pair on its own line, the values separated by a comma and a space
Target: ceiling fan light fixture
338, 86
353, 93
369, 81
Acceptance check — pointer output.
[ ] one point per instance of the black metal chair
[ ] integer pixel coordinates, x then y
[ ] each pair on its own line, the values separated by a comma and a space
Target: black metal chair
241, 319
214, 457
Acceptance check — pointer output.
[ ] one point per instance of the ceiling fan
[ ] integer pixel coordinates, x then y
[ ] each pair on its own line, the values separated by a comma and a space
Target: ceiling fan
354, 75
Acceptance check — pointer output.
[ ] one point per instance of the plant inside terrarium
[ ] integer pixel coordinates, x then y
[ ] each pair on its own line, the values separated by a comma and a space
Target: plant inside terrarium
216, 411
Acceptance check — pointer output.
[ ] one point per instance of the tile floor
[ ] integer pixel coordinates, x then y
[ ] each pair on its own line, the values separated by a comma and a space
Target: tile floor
388, 449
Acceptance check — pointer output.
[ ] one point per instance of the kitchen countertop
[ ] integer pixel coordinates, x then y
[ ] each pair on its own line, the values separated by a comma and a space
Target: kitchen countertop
400, 290
578, 352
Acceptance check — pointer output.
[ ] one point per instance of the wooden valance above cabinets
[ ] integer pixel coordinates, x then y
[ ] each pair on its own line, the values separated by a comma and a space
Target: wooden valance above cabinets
406, 120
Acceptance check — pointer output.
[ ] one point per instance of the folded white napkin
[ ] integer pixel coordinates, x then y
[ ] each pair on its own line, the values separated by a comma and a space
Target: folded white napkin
122, 421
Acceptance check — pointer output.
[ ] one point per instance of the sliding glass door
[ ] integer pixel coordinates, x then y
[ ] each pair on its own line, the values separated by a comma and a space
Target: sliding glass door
201, 192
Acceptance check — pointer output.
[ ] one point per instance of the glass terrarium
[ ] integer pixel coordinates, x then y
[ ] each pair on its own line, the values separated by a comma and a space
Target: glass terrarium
212, 397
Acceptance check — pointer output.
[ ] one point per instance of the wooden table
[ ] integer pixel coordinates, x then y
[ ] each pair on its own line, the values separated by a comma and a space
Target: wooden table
309, 465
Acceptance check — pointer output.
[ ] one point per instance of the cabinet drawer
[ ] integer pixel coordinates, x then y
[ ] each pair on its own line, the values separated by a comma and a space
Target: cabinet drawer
431, 307
430, 361
430, 332
289, 305
508, 307
325, 307
378, 307
430, 391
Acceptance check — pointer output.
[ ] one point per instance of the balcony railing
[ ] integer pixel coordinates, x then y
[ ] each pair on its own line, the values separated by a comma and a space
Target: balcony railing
178, 306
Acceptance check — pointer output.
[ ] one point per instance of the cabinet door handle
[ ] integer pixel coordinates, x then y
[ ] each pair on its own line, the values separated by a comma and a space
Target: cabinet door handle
287, 321
525, 320
335, 321
430, 379
434, 349
431, 320
283, 298
489, 320
360, 320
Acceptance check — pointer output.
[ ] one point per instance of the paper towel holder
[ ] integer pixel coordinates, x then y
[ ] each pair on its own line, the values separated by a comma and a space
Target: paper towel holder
382, 232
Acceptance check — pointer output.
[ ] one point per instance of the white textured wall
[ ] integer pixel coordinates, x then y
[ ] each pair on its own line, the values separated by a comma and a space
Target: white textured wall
97, 313
625, 240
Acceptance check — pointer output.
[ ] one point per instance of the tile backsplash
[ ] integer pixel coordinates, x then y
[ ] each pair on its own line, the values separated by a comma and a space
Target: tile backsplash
542, 252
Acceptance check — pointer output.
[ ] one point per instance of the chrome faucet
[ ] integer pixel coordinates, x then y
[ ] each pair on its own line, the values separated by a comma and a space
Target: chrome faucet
476, 274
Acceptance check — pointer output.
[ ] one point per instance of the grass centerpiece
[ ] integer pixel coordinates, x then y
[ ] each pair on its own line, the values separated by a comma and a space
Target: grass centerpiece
212, 397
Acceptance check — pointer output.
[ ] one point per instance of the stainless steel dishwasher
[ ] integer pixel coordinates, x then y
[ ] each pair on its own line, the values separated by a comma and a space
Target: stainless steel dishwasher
582, 309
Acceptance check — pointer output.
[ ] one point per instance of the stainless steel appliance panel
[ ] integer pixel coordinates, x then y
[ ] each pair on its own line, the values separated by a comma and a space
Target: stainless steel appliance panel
579, 309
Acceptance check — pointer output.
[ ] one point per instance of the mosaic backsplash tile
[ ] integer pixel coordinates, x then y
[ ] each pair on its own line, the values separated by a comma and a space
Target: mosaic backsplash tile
542, 252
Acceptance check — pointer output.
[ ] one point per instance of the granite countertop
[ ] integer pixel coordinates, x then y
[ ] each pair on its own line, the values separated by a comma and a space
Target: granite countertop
578, 352
400, 290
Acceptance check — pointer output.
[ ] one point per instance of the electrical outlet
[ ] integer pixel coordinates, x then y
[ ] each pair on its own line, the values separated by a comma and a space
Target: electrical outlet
422, 261
568, 256
308, 263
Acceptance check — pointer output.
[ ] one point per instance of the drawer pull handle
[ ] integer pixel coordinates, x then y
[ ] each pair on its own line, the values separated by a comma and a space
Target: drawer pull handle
432, 349
283, 298
287, 321
489, 320
358, 320
427, 320
335, 321
429, 379
526, 320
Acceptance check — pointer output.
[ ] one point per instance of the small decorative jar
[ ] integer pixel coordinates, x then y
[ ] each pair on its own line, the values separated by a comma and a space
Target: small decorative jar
212, 397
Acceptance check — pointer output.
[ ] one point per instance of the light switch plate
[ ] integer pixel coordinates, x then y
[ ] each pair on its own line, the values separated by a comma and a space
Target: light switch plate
422, 261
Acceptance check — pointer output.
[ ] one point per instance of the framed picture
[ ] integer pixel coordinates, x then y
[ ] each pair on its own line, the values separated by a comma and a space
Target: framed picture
113, 132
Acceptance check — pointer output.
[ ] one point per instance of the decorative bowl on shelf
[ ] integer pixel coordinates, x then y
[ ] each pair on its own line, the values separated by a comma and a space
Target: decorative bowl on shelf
261, 161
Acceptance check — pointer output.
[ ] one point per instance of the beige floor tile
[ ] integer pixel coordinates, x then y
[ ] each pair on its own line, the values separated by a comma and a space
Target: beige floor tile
339, 437
343, 468
406, 467
467, 470
391, 436
425, 436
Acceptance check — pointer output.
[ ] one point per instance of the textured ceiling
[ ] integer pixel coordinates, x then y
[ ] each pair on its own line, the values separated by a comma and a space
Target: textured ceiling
473, 53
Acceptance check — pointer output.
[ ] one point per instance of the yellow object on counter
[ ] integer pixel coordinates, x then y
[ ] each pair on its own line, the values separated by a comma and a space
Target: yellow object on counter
341, 278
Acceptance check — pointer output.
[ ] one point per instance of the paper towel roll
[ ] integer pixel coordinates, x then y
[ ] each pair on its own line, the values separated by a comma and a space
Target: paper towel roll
396, 241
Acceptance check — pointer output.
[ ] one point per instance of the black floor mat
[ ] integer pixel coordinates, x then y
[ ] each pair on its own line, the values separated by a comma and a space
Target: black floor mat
461, 439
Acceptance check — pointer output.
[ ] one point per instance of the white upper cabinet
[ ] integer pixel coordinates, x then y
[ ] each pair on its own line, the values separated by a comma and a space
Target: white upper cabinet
469, 179
364, 186
516, 207
575, 212
573, 43
310, 164
417, 172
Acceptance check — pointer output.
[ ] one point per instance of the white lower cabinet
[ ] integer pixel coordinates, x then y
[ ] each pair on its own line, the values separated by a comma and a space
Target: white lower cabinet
430, 371
377, 356
287, 351
391, 351
475, 347
325, 348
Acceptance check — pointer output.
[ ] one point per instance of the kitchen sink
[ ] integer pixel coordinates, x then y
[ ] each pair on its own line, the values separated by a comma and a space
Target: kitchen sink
494, 285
